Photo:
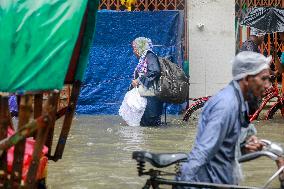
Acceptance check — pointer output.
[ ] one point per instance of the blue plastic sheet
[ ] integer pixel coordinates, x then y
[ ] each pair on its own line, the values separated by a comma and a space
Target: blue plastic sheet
112, 62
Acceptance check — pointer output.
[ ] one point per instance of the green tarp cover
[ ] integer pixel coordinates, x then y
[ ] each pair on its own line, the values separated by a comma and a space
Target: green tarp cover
37, 38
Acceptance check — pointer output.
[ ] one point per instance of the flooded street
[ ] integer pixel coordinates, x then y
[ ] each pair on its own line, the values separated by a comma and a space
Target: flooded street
98, 152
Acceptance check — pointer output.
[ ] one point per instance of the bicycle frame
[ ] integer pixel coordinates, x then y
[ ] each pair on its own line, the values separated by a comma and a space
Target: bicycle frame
200, 99
198, 103
271, 93
156, 180
272, 151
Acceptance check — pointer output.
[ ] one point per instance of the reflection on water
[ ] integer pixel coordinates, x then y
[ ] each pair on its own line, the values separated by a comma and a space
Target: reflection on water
98, 152
133, 138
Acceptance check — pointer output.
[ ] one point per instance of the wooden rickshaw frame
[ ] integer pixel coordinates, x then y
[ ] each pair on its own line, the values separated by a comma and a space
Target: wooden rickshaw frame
44, 113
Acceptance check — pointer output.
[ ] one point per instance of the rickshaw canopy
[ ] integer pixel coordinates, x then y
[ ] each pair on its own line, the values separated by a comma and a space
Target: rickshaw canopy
37, 42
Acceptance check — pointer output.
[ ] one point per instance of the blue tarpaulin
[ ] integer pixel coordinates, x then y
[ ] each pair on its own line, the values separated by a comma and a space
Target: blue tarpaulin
112, 62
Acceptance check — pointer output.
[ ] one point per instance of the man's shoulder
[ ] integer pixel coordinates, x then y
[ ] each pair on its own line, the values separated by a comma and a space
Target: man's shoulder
225, 98
151, 53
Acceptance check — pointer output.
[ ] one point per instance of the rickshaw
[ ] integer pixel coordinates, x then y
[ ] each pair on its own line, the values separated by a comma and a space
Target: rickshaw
45, 45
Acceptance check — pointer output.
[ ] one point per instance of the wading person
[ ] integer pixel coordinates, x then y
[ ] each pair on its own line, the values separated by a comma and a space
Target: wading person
213, 156
146, 76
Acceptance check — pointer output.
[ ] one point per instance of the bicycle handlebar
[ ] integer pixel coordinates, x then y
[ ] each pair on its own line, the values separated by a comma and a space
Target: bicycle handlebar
255, 155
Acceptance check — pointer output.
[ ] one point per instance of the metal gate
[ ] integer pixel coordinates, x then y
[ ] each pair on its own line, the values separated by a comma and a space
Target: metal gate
271, 40
152, 5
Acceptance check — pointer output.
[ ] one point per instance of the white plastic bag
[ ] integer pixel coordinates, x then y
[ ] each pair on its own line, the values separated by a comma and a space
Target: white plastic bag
135, 101
132, 107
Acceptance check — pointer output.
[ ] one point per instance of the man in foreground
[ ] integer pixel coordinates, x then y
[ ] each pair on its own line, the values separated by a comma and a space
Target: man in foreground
212, 158
255, 39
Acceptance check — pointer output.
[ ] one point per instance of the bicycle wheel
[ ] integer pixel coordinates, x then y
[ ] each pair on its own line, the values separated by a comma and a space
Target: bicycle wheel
272, 111
193, 108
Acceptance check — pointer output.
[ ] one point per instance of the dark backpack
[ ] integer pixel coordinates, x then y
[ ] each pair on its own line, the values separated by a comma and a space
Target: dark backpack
173, 85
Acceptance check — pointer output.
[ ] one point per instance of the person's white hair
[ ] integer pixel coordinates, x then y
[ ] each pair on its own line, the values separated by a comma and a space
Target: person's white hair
249, 63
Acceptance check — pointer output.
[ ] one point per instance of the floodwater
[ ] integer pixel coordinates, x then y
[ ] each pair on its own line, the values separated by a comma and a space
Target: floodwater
98, 152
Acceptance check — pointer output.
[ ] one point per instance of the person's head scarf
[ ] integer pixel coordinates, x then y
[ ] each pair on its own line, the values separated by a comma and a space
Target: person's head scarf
142, 45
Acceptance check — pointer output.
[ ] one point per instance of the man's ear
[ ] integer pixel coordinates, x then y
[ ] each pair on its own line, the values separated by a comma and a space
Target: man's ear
246, 80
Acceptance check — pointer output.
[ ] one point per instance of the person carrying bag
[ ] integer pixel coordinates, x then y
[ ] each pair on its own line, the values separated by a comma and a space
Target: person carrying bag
146, 77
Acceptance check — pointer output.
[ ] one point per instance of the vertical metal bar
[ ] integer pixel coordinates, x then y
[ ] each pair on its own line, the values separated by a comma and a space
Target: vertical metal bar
166, 5
108, 4
241, 36
165, 113
248, 33
117, 5
240, 27
24, 115
156, 5
269, 44
146, 5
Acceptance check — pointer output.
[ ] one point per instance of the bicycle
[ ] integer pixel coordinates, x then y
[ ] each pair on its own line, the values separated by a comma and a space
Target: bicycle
198, 104
163, 160
272, 92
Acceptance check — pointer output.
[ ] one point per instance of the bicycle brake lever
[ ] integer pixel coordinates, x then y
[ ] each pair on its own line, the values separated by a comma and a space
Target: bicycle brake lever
265, 142
273, 147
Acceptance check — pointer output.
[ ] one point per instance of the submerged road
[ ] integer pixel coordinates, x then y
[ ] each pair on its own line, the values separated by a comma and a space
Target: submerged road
98, 152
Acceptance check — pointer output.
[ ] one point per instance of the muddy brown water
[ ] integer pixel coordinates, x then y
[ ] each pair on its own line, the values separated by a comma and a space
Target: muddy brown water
98, 152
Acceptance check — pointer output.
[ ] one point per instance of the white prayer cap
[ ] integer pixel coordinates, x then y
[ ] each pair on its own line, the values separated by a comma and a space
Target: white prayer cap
249, 63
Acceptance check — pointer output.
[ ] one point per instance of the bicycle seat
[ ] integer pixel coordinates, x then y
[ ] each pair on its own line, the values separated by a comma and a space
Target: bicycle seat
159, 160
